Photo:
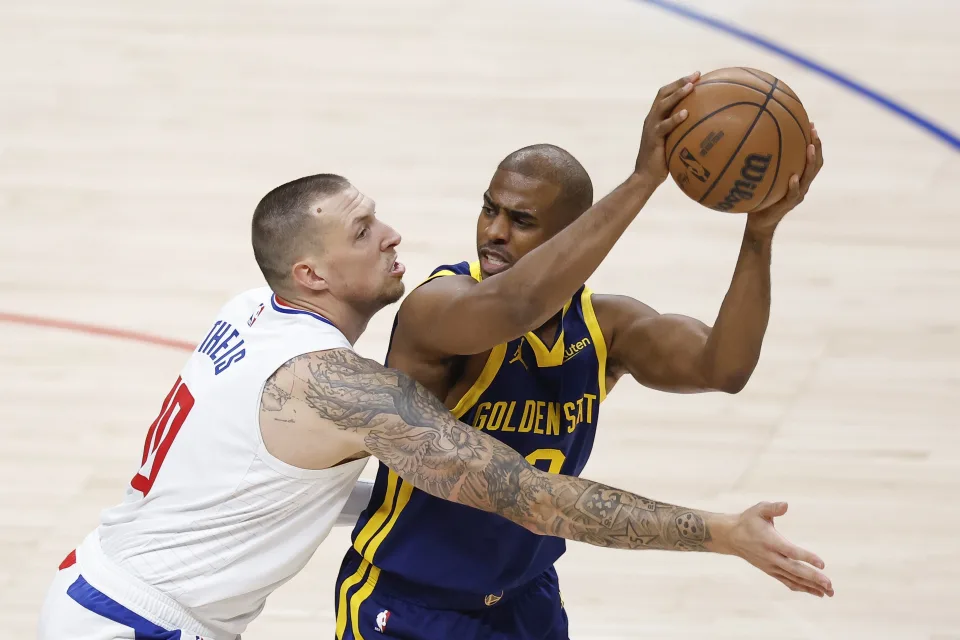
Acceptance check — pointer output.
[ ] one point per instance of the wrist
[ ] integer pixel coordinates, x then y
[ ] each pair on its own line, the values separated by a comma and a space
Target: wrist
642, 181
720, 528
759, 231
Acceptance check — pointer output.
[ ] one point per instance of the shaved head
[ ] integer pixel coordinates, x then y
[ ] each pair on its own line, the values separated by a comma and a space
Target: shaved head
557, 166
281, 218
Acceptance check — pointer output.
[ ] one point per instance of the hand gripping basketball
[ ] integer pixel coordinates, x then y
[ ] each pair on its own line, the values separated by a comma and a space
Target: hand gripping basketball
652, 158
766, 219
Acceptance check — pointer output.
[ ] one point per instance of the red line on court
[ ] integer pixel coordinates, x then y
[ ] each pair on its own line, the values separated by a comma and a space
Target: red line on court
95, 330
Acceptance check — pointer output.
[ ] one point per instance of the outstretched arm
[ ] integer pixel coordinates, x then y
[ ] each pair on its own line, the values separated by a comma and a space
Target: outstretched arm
536, 287
681, 354
339, 397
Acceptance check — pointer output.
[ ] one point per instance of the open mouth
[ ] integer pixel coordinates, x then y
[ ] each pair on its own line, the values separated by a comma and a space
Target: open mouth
397, 269
492, 261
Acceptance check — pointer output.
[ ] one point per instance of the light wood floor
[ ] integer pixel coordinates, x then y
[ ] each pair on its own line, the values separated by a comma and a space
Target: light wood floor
135, 139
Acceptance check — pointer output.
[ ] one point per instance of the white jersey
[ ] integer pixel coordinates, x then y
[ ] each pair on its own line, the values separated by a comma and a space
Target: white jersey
211, 519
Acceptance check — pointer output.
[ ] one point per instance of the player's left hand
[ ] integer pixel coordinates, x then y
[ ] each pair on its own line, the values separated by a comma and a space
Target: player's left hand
768, 218
755, 539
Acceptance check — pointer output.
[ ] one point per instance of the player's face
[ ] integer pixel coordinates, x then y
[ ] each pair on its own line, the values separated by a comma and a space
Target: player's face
515, 219
360, 252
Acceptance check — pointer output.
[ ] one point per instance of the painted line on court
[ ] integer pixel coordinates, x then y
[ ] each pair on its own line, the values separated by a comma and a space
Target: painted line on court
95, 330
938, 131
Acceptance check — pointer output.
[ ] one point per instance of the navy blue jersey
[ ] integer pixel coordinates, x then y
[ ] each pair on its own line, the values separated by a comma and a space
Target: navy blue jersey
544, 403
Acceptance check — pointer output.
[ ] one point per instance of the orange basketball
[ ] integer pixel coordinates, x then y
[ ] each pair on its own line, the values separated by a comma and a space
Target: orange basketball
745, 135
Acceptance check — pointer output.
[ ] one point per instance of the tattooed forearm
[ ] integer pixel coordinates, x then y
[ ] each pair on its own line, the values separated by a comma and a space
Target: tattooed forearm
410, 431
608, 517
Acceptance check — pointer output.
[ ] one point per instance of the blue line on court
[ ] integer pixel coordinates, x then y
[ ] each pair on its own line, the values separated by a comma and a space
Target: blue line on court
902, 111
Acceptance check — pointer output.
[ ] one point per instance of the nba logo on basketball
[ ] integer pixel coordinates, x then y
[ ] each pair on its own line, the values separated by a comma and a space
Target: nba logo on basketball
255, 315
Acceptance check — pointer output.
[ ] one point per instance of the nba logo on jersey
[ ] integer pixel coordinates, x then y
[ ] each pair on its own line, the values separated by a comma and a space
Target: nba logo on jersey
255, 315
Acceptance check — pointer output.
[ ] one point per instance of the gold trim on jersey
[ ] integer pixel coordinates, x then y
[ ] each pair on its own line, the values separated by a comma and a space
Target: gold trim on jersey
549, 357
490, 371
599, 345
404, 492
445, 272
379, 518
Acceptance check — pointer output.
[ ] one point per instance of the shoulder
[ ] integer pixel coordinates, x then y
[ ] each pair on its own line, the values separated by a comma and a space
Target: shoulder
615, 312
247, 298
304, 369
443, 283
622, 320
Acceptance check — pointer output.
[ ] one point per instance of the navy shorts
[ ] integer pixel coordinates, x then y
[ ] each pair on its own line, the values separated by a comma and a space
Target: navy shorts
372, 605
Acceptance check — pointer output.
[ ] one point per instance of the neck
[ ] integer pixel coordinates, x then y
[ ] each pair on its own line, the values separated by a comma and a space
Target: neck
547, 332
350, 321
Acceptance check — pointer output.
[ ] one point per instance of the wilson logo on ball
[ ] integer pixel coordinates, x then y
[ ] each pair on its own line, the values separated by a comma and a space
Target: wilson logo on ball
754, 169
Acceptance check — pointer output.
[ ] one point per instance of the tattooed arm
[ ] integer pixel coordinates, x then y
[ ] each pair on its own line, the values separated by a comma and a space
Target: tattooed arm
341, 400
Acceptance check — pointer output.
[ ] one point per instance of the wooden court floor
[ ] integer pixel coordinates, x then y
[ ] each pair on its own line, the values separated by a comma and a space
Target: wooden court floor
136, 138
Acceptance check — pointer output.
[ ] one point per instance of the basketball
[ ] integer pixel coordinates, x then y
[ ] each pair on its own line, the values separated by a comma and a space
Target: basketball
745, 135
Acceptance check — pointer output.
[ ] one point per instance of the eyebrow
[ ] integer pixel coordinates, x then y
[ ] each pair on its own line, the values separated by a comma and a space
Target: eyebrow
359, 220
514, 212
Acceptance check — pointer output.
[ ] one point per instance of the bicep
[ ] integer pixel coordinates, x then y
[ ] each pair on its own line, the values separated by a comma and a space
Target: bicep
661, 351
456, 315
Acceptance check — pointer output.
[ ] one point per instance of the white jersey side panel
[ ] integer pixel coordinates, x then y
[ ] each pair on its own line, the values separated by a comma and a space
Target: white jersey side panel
211, 518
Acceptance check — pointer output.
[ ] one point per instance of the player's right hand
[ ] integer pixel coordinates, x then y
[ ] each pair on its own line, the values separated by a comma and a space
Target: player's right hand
755, 539
652, 158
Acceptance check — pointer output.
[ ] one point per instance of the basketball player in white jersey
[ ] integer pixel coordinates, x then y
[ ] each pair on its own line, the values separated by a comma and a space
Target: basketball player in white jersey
262, 438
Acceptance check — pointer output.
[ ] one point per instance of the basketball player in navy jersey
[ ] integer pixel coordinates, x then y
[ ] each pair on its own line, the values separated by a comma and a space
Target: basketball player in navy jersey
518, 347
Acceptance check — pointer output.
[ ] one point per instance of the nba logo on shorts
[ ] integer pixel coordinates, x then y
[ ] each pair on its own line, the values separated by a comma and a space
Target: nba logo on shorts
255, 315
382, 618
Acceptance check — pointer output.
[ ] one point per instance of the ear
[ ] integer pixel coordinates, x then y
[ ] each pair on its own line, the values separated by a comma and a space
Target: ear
307, 275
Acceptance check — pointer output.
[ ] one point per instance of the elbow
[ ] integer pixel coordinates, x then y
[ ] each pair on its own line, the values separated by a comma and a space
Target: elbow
733, 383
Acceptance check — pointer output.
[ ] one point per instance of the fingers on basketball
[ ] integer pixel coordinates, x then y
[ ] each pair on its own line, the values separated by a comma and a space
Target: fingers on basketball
793, 189
666, 106
668, 89
671, 123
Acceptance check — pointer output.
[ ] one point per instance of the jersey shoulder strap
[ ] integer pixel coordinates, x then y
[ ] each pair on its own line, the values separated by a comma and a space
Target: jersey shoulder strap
459, 269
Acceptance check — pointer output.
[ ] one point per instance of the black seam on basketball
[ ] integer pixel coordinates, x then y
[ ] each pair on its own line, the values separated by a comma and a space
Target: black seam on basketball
789, 94
701, 121
747, 86
743, 140
739, 84
757, 76
792, 97
776, 171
